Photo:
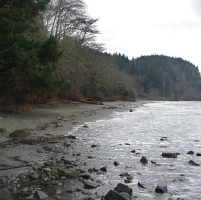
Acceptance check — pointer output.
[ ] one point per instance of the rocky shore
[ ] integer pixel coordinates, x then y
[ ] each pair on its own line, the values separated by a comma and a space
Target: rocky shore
42, 158
38, 157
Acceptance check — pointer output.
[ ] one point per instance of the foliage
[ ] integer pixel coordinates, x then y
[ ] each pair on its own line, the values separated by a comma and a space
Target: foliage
26, 64
161, 76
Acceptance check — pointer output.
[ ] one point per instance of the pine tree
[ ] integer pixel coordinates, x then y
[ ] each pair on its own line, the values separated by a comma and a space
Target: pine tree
26, 64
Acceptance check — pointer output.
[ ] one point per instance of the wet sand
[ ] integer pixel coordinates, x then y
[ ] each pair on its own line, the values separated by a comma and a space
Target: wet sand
44, 122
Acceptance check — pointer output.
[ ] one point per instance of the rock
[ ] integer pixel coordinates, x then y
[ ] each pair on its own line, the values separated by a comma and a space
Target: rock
116, 163
169, 155
191, 162
198, 154
47, 147
40, 195
140, 185
103, 169
121, 192
123, 188
34, 176
88, 199
127, 144
164, 139
68, 173
71, 137
93, 146
191, 152
144, 160
113, 195
58, 192
3, 130
88, 184
19, 133
5, 195
131, 110
124, 174
47, 169
55, 182
85, 126
68, 162
161, 189
133, 151
86, 176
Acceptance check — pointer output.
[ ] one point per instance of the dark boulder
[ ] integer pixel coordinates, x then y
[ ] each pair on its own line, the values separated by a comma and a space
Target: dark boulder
169, 155
144, 160
116, 163
140, 185
19, 133
113, 195
190, 152
123, 188
103, 169
191, 162
161, 189
198, 154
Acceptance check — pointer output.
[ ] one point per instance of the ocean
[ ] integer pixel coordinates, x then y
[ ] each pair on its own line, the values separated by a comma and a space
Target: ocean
152, 128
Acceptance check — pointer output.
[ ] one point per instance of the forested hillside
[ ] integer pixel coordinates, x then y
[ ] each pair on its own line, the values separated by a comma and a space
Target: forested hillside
48, 51
162, 77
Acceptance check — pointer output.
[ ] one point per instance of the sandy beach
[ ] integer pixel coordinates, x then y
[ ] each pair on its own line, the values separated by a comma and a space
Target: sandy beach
47, 123
46, 152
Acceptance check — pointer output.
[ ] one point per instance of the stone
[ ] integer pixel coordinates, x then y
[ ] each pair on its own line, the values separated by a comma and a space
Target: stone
71, 137
164, 139
190, 152
116, 163
47, 170
19, 133
191, 162
133, 151
88, 184
123, 188
124, 174
34, 176
113, 195
140, 185
144, 160
5, 195
198, 154
40, 195
169, 155
93, 146
3, 130
161, 189
103, 169
47, 147
55, 182
68, 173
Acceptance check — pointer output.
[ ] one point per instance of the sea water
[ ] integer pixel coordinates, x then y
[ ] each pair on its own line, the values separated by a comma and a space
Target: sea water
150, 129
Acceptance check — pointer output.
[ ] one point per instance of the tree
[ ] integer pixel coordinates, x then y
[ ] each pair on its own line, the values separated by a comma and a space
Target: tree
26, 64
68, 18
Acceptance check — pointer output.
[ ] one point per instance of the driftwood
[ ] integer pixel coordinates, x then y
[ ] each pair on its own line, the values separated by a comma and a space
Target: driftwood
90, 102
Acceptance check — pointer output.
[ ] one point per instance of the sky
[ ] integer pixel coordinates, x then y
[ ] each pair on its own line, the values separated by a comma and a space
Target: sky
148, 27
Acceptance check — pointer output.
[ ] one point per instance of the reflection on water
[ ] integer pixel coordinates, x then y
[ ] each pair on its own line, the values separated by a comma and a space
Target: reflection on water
178, 123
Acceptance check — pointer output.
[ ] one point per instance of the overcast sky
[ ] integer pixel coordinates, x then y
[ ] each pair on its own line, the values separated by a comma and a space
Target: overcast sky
145, 27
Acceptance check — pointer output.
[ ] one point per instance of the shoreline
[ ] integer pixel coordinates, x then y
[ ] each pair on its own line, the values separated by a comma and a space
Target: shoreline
48, 141
48, 123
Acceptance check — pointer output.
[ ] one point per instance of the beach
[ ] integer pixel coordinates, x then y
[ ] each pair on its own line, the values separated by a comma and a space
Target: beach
46, 130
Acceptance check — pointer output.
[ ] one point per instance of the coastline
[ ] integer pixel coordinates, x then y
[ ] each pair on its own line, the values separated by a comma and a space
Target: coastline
24, 160
45, 123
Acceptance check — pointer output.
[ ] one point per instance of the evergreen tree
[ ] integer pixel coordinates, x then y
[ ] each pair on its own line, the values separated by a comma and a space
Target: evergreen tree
26, 64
